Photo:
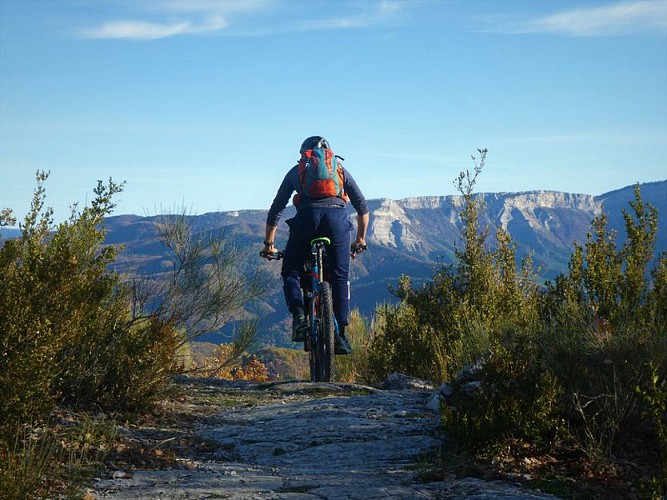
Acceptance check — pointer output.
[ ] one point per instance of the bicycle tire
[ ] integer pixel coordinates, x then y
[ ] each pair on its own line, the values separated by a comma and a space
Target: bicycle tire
314, 335
310, 344
327, 334
312, 352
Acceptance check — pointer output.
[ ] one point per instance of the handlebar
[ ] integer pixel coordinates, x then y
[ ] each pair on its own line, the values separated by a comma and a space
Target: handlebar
271, 255
354, 250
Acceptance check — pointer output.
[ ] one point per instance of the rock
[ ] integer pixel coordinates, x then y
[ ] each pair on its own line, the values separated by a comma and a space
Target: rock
120, 474
400, 382
466, 387
433, 403
331, 441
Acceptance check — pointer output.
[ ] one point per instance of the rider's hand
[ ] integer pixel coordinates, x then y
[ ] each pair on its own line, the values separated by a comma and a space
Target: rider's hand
268, 251
359, 246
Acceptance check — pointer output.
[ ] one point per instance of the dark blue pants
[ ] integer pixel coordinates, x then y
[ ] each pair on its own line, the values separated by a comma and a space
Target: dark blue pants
309, 223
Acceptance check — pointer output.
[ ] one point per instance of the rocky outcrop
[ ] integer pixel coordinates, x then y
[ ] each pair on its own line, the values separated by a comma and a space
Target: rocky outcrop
537, 207
407, 224
310, 441
392, 227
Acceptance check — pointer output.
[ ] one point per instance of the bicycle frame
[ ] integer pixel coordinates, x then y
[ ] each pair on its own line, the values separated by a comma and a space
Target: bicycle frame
323, 328
315, 271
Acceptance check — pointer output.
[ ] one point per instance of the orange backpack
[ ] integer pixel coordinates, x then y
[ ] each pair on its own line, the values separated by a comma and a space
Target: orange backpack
321, 175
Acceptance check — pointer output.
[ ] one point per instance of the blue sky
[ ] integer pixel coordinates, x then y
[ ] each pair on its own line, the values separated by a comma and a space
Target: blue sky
203, 103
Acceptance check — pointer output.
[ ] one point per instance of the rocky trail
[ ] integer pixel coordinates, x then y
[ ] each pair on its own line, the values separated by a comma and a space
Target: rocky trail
235, 439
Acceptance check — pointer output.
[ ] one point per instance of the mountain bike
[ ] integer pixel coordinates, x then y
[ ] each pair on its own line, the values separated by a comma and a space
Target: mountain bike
318, 305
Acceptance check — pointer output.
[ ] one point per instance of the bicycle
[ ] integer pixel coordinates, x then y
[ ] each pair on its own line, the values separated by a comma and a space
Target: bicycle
318, 305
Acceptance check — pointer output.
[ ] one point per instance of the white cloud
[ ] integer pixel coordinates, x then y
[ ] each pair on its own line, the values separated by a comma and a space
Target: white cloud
193, 16
621, 18
136, 30
212, 16
371, 14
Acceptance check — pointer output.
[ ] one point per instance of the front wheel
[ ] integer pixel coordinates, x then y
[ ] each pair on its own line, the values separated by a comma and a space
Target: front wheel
323, 351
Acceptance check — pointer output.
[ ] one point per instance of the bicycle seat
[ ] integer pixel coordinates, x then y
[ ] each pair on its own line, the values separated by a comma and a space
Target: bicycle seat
322, 239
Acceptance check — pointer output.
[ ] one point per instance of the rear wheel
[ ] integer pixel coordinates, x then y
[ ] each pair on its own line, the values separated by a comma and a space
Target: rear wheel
322, 355
310, 344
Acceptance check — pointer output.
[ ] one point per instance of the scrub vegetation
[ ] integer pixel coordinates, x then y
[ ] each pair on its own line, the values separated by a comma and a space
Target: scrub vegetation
80, 339
572, 370
571, 374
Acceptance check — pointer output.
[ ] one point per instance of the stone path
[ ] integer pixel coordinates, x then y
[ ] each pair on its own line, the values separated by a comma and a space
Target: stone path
298, 440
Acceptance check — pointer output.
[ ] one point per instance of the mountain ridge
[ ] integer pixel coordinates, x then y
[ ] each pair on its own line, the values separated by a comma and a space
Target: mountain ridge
411, 236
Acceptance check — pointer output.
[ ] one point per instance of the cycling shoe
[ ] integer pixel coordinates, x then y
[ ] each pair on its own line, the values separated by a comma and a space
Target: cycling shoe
299, 328
342, 346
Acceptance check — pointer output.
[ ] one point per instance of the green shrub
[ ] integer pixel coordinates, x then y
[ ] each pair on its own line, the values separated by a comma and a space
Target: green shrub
55, 293
404, 344
465, 308
517, 400
353, 368
65, 330
569, 360
206, 285
604, 326
654, 395
68, 337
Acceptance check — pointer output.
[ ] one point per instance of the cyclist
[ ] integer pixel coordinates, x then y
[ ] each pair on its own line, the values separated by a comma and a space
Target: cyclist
317, 217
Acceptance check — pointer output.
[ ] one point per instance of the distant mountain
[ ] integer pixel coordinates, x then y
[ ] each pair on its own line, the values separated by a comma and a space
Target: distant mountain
654, 193
9, 232
408, 236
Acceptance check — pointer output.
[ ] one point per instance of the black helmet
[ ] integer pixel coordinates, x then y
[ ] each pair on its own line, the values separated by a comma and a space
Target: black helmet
313, 142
